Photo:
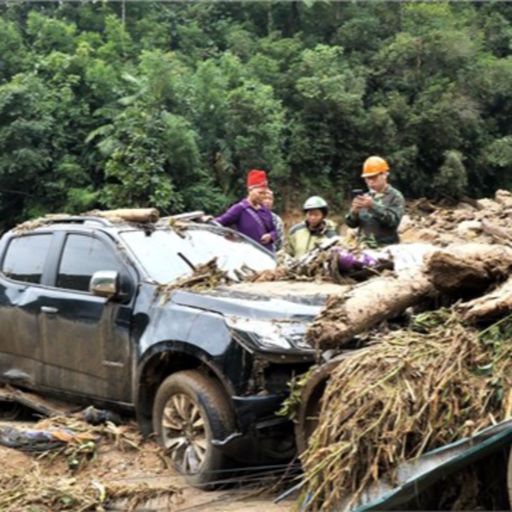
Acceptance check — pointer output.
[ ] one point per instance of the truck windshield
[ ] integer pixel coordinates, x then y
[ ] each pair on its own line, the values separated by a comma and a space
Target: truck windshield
166, 254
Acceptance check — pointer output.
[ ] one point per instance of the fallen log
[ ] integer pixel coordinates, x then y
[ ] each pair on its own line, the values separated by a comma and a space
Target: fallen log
129, 214
459, 269
490, 306
366, 305
468, 267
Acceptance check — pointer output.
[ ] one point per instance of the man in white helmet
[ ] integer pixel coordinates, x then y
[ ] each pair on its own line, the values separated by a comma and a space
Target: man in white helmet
316, 228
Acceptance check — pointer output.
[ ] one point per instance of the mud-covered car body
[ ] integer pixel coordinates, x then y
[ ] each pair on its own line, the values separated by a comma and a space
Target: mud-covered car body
61, 334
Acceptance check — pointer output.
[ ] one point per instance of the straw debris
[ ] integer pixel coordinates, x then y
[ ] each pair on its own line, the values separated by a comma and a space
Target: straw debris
205, 276
40, 222
410, 391
36, 491
69, 486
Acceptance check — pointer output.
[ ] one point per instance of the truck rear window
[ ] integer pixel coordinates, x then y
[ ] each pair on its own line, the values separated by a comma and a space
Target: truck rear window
25, 257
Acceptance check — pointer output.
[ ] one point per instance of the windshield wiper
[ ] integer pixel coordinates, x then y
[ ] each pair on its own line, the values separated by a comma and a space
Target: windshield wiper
187, 261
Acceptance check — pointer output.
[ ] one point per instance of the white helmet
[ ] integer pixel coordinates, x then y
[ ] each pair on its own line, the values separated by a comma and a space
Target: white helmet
316, 203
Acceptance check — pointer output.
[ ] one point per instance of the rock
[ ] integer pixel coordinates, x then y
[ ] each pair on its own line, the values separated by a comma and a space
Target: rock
405, 224
466, 207
504, 197
488, 204
469, 228
427, 235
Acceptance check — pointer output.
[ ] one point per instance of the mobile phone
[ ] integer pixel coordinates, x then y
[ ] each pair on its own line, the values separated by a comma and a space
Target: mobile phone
357, 192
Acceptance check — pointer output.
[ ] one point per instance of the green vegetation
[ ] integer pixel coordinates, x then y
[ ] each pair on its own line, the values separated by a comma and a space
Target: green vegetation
168, 104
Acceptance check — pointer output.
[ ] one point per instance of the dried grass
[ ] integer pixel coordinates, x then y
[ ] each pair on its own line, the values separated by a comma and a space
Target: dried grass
37, 492
411, 391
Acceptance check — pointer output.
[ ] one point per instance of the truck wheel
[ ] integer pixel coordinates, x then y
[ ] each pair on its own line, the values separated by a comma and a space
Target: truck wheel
189, 411
10, 411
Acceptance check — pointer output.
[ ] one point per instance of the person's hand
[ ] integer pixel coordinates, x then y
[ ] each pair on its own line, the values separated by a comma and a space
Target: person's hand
266, 239
361, 202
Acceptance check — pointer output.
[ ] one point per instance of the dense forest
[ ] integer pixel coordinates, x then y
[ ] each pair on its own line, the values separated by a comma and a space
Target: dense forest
109, 104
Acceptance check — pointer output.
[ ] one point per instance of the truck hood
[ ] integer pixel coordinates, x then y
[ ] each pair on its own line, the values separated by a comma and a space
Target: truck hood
270, 317
276, 300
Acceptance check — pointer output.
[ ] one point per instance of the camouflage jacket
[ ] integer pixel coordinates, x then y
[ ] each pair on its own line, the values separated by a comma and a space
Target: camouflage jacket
378, 225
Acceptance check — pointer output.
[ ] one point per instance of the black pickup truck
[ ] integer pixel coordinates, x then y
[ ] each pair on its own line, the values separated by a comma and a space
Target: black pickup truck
84, 316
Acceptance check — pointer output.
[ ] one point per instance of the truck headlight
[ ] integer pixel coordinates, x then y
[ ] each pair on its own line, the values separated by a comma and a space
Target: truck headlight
271, 335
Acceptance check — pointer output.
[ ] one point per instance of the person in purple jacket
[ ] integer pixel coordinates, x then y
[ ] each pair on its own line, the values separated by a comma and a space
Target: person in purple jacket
249, 216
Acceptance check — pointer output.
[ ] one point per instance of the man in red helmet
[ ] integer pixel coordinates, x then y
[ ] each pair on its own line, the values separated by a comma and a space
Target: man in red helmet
250, 216
378, 213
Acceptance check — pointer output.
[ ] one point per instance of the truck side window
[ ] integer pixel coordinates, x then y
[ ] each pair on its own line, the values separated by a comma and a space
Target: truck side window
25, 257
82, 256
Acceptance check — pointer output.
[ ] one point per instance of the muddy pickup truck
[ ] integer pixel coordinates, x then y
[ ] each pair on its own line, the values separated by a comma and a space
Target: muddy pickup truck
87, 314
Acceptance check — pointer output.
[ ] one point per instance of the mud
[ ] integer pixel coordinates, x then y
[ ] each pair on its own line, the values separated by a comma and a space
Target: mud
113, 465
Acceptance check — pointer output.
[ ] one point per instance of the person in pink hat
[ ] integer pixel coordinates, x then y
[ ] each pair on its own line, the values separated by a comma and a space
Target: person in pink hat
249, 216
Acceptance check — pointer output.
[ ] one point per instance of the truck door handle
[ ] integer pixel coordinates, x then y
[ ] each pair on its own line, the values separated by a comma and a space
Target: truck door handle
49, 310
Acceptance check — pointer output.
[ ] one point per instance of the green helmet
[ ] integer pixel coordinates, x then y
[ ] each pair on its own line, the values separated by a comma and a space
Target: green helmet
316, 203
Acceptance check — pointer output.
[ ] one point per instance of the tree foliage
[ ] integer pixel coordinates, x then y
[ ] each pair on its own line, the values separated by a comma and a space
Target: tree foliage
106, 104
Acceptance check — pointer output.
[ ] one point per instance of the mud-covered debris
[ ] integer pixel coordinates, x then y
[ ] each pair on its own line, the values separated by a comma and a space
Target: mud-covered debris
205, 276
490, 306
179, 226
79, 439
39, 440
470, 267
458, 270
78, 449
122, 215
366, 305
483, 220
40, 222
44, 406
36, 491
320, 264
95, 416
410, 391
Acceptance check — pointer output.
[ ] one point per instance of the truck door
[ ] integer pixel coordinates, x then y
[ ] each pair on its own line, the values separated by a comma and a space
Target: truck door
86, 338
21, 351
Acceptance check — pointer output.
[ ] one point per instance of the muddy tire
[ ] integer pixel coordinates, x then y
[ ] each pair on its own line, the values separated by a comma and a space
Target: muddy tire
10, 411
310, 403
307, 417
189, 411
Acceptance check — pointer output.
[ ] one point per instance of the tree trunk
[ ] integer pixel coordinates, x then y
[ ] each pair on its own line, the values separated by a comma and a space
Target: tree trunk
129, 214
365, 306
490, 306
456, 270
468, 268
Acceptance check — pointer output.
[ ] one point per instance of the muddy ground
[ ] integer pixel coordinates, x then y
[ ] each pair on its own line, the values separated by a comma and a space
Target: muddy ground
132, 466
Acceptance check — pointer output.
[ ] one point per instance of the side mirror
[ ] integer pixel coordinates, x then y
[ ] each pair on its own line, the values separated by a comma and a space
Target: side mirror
105, 283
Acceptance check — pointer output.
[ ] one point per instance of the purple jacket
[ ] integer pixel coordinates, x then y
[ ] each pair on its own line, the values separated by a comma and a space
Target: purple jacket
249, 221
